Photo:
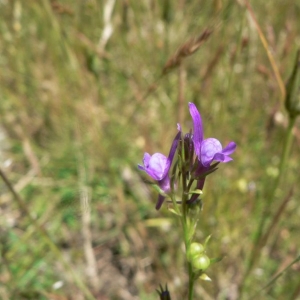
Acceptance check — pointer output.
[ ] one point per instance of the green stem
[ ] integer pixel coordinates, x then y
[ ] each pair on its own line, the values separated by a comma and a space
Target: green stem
191, 281
283, 161
187, 240
190, 267
184, 197
287, 148
260, 240
186, 185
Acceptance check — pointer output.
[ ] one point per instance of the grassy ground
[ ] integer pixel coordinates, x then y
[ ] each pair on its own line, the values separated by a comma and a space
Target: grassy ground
83, 95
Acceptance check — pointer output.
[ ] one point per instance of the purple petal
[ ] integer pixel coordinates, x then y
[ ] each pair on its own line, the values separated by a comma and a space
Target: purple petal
157, 166
141, 168
227, 159
220, 157
209, 148
165, 184
229, 149
178, 127
198, 129
146, 159
172, 153
160, 201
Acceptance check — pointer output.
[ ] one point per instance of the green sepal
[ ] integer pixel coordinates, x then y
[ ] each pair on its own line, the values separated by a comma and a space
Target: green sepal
159, 190
173, 173
199, 192
175, 212
216, 259
191, 227
207, 240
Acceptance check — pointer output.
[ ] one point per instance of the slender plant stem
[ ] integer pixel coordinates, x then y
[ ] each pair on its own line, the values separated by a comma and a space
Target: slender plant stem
181, 84
261, 239
91, 268
191, 282
283, 161
190, 267
274, 279
186, 227
268, 52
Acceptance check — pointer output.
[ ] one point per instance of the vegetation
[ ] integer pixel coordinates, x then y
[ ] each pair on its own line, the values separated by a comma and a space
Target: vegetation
86, 87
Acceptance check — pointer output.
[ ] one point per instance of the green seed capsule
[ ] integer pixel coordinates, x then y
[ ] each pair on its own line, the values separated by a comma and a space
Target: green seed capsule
201, 262
195, 250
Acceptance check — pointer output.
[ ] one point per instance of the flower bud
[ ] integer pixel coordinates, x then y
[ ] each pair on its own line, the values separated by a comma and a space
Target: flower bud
164, 293
188, 143
292, 99
188, 150
201, 262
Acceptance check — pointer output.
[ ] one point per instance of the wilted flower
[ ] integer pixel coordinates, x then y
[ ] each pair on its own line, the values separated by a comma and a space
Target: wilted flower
157, 166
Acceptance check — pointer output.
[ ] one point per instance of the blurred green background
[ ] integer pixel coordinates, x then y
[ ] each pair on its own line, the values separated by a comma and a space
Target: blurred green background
82, 97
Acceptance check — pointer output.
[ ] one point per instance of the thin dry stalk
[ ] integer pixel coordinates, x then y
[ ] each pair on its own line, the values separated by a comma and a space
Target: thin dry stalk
28, 151
21, 204
139, 100
263, 240
185, 50
61, 9
90, 45
274, 279
213, 63
56, 27
181, 86
269, 54
20, 185
296, 292
91, 269
276, 218
108, 27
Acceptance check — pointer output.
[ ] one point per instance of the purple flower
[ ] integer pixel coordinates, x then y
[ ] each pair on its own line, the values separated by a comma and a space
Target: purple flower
157, 166
207, 151
210, 149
